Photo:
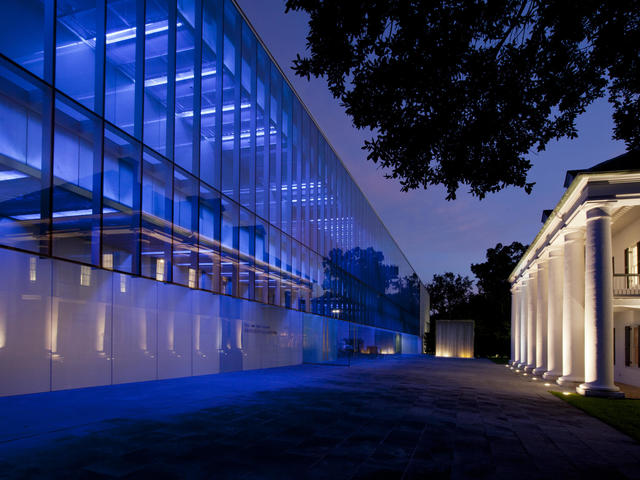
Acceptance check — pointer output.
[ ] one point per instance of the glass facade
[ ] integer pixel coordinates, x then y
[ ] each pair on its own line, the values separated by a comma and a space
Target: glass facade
158, 139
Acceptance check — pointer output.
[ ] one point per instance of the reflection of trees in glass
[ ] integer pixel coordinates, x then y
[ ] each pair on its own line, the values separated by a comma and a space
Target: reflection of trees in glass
408, 292
347, 273
364, 264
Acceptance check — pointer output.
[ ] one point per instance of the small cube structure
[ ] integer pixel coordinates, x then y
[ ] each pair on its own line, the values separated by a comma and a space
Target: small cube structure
454, 338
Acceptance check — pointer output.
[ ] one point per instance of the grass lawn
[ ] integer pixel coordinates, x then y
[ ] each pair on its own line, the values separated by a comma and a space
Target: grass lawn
621, 414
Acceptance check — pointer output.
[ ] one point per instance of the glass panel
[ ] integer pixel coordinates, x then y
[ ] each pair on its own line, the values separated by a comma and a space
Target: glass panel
121, 202
157, 174
185, 226
261, 261
311, 186
246, 241
230, 102
247, 120
120, 68
76, 177
286, 189
307, 286
155, 75
24, 183
291, 229
321, 292
229, 248
76, 26
275, 147
295, 275
262, 135
22, 27
274, 266
210, 111
285, 275
304, 181
185, 84
296, 167
321, 193
209, 249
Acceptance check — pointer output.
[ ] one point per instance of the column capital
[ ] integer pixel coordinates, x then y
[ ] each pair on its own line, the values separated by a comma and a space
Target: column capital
573, 234
598, 210
556, 252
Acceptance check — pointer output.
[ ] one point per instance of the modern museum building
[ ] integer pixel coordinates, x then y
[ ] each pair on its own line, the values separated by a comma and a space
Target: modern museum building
168, 206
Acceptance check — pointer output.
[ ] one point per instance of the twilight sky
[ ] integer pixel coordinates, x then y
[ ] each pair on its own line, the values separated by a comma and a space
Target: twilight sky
435, 235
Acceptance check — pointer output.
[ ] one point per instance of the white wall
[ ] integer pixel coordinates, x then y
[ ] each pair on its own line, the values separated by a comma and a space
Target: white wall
63, 325
25, 323
625, 237
411, 344
454, 338
622, 373
135, 329
81, 320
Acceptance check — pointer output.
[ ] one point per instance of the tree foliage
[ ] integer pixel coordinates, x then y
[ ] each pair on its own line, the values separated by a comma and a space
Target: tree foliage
449, 295
492, 304
453, 297
460, 92
493, 274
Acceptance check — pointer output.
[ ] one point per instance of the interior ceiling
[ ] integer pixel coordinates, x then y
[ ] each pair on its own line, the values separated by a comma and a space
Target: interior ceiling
623, 217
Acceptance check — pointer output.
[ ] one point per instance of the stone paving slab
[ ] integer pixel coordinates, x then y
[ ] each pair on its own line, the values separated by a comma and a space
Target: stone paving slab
394, 417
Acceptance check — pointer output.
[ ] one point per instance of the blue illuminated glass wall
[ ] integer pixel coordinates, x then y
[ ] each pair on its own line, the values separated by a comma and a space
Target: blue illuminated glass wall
158, 138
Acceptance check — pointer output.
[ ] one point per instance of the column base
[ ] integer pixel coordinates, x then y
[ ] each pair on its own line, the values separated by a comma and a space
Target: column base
539, 372
529, 368
551, 376
569, 381
592, 390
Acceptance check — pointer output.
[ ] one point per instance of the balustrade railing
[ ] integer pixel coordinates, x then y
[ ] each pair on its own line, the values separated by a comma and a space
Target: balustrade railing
626, 284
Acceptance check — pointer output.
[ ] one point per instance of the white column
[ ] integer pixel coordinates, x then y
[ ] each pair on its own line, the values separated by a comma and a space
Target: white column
514, 302
532, 301
541, 319
522, 329
598, 308
573, 310
554, 316
515, 325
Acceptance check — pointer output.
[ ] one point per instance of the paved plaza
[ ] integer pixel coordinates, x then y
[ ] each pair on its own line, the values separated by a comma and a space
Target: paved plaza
392, 417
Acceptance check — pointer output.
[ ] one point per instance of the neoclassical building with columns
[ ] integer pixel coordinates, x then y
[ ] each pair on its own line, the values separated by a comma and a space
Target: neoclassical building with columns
575, 315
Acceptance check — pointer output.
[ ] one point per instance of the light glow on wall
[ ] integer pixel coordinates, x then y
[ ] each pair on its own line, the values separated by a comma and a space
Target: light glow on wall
85, 276
454, 338
33, 261
143, 333
3, 331
160, 269
101, 325
11, 175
